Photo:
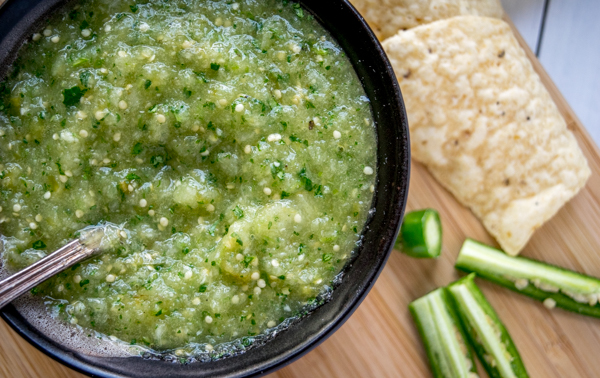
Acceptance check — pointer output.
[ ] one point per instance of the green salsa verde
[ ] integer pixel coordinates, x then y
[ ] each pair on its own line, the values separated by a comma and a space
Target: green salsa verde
230, 142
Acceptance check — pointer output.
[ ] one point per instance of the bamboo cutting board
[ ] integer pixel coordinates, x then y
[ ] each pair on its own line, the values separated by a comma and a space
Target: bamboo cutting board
380, 339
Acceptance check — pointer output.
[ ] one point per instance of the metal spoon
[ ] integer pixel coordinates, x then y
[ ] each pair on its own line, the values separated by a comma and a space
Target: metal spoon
77, 250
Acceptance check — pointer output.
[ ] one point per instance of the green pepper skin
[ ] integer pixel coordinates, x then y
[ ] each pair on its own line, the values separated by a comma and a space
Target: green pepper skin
421, 234
487, 335
502, 269
443, 336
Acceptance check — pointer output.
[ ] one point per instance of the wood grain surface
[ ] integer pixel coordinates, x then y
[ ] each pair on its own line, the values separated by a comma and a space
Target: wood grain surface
380, 339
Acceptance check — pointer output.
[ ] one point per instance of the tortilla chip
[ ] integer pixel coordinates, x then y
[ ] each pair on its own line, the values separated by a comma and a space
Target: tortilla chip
387, 17
485, 126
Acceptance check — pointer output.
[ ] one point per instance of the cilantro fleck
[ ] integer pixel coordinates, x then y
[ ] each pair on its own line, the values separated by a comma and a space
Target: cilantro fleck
137, 149
327, 256
84, 282
132, 176
299, 11
202, 76
215, 66
277, 171
294, 138
247, 260
38, 244
73, 95
202, 288
60, 170
239, 213
147, 84
84, 77
308, 185
212, 228
318, 191
157, 160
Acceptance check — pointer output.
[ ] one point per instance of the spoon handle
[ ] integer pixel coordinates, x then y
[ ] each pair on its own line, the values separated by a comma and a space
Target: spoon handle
28, 278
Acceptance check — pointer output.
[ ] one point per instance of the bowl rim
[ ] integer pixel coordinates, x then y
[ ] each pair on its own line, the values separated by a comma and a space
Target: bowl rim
392, 190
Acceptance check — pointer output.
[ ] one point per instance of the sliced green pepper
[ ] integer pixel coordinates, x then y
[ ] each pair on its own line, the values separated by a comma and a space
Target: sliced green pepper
488, 336
443, 336
547, 283
421, 234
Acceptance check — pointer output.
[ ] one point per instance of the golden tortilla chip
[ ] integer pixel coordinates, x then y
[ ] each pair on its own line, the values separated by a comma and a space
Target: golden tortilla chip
387, 17
485, 126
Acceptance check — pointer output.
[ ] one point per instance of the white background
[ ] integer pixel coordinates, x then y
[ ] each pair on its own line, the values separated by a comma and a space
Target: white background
566, 36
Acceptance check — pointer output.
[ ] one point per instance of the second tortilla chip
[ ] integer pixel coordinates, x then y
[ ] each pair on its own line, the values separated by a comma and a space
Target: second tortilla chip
485, 126
387, 17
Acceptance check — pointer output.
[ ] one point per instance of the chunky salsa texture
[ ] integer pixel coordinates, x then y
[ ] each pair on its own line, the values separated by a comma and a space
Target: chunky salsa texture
231, 143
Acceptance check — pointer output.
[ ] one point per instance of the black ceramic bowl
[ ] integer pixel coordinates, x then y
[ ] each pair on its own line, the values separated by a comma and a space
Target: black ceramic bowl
19, 19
